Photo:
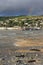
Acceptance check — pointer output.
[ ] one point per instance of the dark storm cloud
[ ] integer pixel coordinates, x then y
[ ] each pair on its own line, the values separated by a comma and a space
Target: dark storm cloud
19, 7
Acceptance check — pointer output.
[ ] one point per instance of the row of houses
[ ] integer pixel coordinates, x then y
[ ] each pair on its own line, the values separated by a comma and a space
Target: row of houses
35, 23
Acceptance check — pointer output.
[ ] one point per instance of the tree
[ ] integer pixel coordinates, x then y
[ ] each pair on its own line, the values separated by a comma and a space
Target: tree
21, 24
10, 24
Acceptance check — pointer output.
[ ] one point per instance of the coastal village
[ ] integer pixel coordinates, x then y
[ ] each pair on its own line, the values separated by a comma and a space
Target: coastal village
23, 22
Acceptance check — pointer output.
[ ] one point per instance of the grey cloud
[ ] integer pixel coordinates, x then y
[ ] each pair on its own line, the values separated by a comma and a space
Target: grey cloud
30, 6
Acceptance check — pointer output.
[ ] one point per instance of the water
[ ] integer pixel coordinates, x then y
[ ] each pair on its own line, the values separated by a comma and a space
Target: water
15, 33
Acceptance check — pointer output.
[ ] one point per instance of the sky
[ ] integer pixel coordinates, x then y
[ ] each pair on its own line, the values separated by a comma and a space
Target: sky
21, 7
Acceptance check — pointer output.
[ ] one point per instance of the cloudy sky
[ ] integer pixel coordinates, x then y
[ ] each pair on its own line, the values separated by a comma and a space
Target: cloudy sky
21, 7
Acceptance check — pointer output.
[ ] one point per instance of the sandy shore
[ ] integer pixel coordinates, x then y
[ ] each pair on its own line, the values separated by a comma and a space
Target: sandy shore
29, 42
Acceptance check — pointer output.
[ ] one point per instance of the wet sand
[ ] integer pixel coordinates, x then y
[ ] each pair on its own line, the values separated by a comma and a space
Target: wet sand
29, 42
16, 42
